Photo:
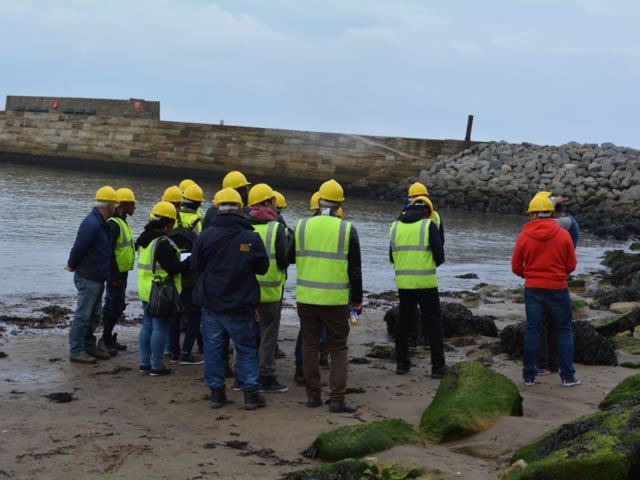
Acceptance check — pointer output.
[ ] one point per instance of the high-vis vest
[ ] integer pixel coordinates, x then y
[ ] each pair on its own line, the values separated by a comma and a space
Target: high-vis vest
125, 251
436, 218
322, 248
272, 282
146, 258
190, 220
412, 256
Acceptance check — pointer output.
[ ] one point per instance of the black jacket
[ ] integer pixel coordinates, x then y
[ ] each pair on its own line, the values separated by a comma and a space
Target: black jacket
354, 263
440, 228
165, 254
230, 254
415, 214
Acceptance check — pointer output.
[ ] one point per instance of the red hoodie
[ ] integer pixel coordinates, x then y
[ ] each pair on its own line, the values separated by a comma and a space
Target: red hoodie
544, 255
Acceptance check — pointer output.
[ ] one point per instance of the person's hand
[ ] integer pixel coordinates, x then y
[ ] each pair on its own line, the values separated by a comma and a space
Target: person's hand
357, 307
560, 200
68, 268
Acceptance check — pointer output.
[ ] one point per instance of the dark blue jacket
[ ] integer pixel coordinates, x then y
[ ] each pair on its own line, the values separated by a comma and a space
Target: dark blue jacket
230, 254
90, 256
574, 231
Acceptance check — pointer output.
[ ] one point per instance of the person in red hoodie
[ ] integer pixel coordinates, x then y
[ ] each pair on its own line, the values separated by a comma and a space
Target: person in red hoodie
544, 256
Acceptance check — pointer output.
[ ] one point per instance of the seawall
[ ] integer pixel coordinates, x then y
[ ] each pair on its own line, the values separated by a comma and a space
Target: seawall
301, 159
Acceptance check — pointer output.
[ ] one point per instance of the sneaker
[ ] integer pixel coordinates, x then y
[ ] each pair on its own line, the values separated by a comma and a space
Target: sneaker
271, 385
571, 382
103, 347
529, 382
99, 354
542, 371
146, 369
298, 377
236, 385
82, 358
114, 343
439, 373
279, 353
337, 406
159, 372
190, 360
403, 367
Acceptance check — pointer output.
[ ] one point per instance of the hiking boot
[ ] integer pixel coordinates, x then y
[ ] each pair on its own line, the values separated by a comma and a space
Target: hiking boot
236, 385
279, 353
341, 406
145, 369
571, 382
324, 359
314, 402
160, 372
99, 354
271, 385
190, 360
298, 377
219, 398
439, 373
103, 347
82, 358
114, 343
403, 367
253, 400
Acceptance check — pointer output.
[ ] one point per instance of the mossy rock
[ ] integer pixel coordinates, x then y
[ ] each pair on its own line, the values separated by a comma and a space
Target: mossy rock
627, 344
470, 399
576, 285
348, 469
635, 245
610, 326
597, 446
364, 439
471, 301
634, 365
578, 303
628, 388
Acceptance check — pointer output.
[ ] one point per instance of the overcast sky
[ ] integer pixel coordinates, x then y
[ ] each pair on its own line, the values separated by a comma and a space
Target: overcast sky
542, 71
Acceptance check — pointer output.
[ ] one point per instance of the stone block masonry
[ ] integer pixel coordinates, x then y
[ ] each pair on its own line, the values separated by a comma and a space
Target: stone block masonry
303, 159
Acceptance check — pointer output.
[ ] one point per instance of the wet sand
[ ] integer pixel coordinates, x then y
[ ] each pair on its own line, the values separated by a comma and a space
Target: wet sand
121, 424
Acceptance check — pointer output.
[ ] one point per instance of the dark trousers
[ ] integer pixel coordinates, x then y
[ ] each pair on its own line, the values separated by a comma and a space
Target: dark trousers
114, 305
193, 314
269, 326
548, 358
335, 319
429, 301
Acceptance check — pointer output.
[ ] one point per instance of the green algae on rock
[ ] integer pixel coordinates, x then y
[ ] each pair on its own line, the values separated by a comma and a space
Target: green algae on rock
597, 446
365, 438
348, 469
627, 344
470, 399
609, 326
625, 390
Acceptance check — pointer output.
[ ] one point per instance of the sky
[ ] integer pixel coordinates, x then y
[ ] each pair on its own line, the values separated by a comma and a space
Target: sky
540, 71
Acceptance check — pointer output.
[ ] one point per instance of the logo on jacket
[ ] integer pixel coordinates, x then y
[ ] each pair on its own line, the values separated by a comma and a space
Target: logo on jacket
245, 247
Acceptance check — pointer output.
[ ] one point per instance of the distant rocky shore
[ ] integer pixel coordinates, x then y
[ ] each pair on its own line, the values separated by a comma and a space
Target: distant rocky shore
601, 181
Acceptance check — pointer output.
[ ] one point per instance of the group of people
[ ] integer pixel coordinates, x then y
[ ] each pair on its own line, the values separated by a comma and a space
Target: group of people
229, 265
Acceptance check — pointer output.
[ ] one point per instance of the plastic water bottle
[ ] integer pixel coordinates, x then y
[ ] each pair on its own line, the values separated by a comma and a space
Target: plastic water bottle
353, 318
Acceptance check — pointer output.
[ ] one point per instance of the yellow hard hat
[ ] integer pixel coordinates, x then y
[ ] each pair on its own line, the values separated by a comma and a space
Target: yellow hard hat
417, 189
107, 194
422, 200
314, 205
164, 209
234, 179
186, 183
540, 203
125, 195
172, 194
280, 200
340, 214
194, 193
544, 194
227, 195
332, 191
259, 193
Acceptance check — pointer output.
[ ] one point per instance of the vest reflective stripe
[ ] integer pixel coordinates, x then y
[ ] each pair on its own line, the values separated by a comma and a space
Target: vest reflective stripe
125, 251
190, 220
146, 258
322, 249
412, 256
272, 282
436, 218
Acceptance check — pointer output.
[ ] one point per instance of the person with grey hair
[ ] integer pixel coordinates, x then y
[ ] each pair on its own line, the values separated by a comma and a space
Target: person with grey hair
90, 260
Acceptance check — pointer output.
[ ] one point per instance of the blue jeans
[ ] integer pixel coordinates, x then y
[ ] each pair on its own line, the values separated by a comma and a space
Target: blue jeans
87, 316
217, 328
558, 303
152, 338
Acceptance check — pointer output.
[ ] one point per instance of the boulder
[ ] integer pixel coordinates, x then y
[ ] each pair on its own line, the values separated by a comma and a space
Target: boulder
356, 441
623, 307
593, 447
621, 294
625, 390
627, 344
470, 399
610, 326
634, 365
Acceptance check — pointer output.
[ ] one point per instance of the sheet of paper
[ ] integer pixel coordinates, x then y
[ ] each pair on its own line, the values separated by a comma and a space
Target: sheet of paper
184, 255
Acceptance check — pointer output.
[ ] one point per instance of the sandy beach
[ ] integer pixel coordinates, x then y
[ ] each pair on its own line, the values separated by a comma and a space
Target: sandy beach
121, 424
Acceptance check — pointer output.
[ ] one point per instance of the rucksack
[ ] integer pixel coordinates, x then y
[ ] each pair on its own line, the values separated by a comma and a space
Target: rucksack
184, 235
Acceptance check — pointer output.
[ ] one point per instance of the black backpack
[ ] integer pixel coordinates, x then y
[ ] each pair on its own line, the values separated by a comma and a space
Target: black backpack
184, 235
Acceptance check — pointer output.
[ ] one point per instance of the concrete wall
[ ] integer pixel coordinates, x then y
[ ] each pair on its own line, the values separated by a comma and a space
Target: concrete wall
307, 158
134, 107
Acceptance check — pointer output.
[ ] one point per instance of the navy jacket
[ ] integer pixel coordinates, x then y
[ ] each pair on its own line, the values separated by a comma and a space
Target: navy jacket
230, 254
90, 256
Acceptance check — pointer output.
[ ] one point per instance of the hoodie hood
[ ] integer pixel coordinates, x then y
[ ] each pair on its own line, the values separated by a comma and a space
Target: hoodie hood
543, 229
262, 214
413, 214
